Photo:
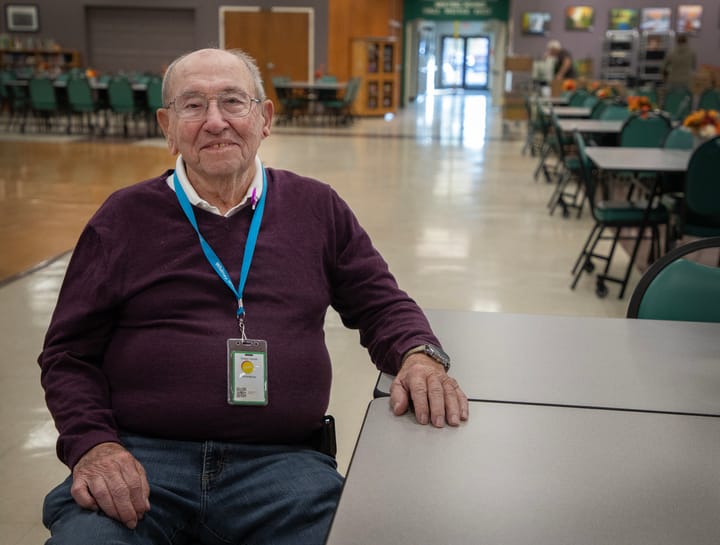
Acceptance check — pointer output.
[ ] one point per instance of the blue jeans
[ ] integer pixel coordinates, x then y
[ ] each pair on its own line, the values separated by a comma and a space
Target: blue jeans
212, 493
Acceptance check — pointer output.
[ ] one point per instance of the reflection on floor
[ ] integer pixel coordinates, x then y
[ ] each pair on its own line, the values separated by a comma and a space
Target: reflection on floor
442, 188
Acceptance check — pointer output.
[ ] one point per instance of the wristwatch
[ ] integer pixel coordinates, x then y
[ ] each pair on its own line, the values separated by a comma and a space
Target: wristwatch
435, 352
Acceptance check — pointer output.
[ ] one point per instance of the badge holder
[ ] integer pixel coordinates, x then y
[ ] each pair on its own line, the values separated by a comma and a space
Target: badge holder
247, 372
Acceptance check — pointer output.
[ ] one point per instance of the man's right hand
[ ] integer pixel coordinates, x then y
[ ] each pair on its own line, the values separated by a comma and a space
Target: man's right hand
111, 479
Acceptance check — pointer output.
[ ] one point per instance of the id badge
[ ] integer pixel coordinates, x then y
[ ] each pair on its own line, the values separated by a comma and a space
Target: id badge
247, 372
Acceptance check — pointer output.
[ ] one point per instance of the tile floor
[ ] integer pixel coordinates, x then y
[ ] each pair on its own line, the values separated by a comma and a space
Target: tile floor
449, 200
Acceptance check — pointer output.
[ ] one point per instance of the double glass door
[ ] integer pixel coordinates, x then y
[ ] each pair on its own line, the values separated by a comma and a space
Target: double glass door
465, 62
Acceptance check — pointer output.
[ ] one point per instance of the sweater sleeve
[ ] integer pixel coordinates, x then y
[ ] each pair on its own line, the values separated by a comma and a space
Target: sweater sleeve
368, 298
76, 390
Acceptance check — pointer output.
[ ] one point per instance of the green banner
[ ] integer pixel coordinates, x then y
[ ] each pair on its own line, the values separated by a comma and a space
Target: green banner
457, 10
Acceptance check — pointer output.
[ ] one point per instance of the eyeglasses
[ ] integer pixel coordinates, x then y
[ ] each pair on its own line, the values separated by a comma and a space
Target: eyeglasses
194, 106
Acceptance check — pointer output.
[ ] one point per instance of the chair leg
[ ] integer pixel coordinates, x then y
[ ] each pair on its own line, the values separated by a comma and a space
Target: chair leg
585, 253
636, 247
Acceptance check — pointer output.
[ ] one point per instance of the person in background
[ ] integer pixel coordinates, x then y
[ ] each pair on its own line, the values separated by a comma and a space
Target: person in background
563, 61
679, 64
185, 364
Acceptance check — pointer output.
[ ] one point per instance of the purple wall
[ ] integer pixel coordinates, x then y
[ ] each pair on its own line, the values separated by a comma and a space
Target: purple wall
589, 44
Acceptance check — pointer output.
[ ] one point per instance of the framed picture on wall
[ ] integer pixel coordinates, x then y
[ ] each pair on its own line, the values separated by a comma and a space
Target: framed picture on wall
579, 17
655, 19
22, 18
535, 22
623, 19
689, 18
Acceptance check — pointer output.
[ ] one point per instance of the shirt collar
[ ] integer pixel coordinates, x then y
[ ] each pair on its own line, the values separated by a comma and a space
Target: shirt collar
195, 199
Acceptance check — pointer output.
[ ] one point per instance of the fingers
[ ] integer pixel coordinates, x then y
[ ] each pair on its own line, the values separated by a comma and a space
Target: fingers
436, 397
399, 399
109, 478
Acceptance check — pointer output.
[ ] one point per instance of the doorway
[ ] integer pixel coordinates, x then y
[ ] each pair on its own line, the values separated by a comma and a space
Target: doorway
465, 62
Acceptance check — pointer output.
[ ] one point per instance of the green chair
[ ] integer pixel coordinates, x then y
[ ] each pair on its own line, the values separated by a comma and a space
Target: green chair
615, 112
341, 109
43, 101
122, 103
578, 97
709, 100
82, 101
673, 184
17, 99
701, 203
675, 288
154, 103
678, 103
614, 216
534, 134
292, 107
645, 130
568, 190
590, 102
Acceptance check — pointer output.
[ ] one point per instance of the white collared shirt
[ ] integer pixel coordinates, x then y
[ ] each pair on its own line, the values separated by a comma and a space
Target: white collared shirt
196, 200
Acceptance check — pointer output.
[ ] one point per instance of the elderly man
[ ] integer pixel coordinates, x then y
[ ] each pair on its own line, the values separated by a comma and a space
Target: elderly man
187, 401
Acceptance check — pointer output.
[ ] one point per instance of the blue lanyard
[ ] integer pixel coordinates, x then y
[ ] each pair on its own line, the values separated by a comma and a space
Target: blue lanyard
212, 257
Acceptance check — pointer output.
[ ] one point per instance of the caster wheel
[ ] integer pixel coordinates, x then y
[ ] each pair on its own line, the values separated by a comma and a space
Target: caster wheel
601, 290
589, 266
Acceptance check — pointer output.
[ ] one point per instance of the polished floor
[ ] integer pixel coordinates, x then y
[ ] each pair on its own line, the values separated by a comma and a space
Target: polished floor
442, 188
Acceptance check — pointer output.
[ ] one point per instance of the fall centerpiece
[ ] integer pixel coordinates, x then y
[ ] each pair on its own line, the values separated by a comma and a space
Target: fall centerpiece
703, 123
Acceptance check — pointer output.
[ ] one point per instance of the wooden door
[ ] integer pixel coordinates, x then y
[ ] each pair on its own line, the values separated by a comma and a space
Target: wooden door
279, 42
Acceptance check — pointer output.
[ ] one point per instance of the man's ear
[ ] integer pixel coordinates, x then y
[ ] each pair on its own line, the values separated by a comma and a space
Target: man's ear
163, 119
268, 109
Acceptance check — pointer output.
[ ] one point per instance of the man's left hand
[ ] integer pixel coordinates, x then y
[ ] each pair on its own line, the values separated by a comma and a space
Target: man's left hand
436, 397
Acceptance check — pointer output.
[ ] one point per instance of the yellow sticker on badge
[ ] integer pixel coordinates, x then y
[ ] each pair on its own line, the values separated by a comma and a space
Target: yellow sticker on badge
247, 367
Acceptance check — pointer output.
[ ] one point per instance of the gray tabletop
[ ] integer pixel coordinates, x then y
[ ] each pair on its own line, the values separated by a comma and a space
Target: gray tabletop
568, 111
643, 365
595, 126
524, 474
639, 159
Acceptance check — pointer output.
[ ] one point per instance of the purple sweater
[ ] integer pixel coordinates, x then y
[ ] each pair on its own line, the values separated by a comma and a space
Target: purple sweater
138, 339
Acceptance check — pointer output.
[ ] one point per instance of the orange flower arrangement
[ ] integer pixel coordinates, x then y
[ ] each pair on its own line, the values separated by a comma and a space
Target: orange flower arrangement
605, 92
704, 123
640, 104
569, 85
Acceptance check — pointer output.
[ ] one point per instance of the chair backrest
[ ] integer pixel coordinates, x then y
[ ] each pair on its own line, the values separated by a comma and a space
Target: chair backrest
709, 100
154, 94
679, 138
586, 170
120, 95
351, 90
590, 101
80, 96
645, 131
702, 184
615, 112
674, 288
678, 103
42, 95
578, 97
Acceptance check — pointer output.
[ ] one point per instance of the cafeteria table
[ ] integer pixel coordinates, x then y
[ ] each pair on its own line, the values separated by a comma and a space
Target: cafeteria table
517, 474
611, 363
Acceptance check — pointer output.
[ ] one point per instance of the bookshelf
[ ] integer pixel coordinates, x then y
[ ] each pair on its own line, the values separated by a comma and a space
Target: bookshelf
375, 61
